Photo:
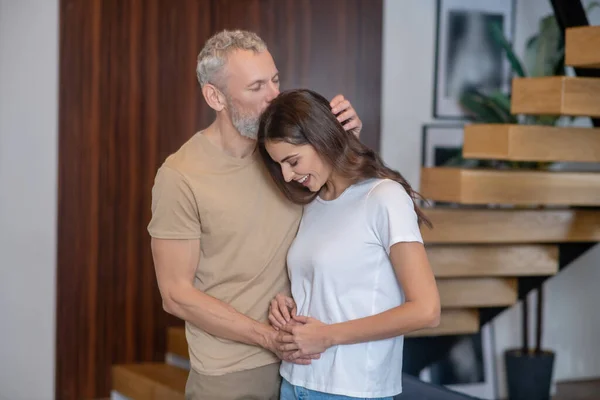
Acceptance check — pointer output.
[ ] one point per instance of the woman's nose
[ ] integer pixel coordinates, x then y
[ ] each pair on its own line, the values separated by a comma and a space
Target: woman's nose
287, 173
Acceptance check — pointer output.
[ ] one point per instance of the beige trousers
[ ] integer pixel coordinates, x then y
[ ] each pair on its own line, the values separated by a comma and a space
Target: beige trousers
260, 383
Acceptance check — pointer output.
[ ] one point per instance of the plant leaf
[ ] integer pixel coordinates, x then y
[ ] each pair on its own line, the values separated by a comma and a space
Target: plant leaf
498, 36
530, 56
591, 6
499, 107
559, 66
486, 108
549, 45
501, 99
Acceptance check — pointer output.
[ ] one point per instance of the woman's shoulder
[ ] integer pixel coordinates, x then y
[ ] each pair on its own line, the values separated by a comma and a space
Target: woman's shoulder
388, 193
386, 187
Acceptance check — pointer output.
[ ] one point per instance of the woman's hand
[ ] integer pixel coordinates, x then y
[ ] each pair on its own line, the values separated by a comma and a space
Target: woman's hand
282, 310
307, 338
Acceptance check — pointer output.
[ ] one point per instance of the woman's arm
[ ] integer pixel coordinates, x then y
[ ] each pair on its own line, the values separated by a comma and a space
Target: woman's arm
420, 310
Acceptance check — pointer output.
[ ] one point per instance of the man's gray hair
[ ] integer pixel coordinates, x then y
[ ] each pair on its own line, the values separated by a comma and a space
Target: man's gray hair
213, 56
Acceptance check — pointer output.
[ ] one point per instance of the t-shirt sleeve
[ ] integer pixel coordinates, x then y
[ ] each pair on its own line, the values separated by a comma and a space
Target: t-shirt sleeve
392, 215
174, 209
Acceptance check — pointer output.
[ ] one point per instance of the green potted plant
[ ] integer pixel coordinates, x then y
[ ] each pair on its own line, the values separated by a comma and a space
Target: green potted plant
544, 56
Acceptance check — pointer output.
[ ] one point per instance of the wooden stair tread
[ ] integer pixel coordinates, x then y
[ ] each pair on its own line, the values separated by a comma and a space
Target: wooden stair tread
531, 143
149, 381
557, 95
477, 292
453, 322
582, 47
486, 186
472, 226
492, 260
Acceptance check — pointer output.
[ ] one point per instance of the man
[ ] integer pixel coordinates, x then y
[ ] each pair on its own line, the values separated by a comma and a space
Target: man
221, 229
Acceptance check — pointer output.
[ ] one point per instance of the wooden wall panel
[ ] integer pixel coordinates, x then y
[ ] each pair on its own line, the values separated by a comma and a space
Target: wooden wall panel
331, 47
128, 98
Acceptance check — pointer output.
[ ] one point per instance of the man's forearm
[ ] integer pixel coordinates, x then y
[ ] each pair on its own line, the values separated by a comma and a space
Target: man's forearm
217, 318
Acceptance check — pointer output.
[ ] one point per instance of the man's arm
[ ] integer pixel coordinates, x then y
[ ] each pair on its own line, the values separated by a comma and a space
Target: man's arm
175, 262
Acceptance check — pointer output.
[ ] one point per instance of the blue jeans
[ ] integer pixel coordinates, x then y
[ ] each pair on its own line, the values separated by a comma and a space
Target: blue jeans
291, 392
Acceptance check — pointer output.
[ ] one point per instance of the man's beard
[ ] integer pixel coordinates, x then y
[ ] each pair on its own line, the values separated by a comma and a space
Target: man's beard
245, 123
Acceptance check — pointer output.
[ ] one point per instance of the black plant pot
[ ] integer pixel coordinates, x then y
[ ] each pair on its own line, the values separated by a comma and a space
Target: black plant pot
529, 375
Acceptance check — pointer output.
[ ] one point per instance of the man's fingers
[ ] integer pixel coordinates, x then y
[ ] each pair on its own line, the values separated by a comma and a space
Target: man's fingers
352, 124
346, 115
286, 338
310, 357
335, 102
301, 361
288, 347
341, 106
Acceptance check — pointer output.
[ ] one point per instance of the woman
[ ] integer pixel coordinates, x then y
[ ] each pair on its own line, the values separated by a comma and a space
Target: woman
359, 272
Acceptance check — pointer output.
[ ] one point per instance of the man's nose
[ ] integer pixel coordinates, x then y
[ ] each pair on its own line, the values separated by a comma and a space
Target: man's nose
273, 91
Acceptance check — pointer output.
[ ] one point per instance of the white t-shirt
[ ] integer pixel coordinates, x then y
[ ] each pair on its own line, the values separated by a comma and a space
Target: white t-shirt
340, 270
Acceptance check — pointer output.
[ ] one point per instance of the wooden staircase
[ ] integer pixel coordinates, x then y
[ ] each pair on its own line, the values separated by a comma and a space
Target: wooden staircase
480, 254
510, 224
149, 381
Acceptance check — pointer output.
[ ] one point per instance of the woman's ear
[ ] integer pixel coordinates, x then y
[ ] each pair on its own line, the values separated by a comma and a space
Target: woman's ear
214, 97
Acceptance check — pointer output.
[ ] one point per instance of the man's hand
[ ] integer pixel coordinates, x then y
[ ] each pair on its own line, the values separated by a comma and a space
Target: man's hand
282, 310
346, 114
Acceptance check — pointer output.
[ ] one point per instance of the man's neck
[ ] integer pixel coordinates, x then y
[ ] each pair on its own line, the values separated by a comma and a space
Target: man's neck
225, 137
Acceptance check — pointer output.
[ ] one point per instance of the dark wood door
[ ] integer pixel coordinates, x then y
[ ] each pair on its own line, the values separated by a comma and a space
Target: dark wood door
128, 98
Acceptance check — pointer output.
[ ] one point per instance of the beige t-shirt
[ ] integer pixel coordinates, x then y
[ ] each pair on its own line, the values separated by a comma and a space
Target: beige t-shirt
245, 226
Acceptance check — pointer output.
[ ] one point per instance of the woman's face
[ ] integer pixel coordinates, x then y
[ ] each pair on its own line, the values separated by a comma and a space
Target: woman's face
300, 163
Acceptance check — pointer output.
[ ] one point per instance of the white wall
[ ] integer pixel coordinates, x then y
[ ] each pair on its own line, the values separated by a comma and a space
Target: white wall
28, 174
571, 320
407, 93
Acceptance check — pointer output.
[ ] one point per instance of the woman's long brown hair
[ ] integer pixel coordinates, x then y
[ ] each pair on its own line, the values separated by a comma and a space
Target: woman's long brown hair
303, 117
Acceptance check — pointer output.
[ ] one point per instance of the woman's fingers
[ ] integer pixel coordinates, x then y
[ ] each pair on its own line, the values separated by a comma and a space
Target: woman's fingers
283, 307
301, 318
276, 313
274, 323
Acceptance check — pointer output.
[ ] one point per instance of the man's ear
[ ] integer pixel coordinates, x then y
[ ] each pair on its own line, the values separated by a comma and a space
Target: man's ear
214, 97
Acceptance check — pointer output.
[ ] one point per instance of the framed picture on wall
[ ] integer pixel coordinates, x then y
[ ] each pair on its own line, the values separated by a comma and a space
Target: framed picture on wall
440, 144
466, 54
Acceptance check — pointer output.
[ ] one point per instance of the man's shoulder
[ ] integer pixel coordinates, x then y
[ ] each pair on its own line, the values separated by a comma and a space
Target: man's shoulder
188, 158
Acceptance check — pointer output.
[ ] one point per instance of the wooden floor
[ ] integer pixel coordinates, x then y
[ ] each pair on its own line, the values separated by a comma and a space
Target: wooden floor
581, 390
